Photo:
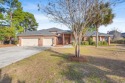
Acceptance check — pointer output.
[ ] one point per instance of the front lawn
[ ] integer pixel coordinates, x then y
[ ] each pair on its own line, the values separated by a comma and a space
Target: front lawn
105, 65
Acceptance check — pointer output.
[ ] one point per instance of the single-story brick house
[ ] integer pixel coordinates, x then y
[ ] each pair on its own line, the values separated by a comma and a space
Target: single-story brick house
54, 36
101, 36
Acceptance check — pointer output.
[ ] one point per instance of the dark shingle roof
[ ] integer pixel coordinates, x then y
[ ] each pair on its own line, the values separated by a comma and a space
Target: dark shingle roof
114, 32
123, 35
45, 32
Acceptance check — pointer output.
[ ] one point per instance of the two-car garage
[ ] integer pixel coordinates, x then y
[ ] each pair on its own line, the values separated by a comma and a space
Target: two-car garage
29, 42
36, 41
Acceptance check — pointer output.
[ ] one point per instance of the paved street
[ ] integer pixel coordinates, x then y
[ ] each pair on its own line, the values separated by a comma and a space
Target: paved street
9, 55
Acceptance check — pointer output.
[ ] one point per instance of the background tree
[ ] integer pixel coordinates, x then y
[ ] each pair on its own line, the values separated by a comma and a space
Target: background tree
103, 16
12, 13
24, 21
29, 22
18, 17
6, 33
2, 10
91, 28
10, 6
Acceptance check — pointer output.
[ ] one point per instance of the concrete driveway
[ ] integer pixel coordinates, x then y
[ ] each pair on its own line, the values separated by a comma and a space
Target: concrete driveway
9, 55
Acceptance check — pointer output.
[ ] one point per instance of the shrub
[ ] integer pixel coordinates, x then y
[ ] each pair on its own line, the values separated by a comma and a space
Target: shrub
105, 43
90, 41
93, 43
15, 42
85, 43
122, 41
1, 38
82, 43
73, 43
112, 41
100, 43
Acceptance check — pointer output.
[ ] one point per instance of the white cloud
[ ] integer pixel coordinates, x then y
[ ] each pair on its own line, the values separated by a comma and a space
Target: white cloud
118, 23
44, 22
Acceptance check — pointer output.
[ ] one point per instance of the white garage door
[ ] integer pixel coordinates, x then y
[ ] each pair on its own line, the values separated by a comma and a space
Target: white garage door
30, 42
47, 42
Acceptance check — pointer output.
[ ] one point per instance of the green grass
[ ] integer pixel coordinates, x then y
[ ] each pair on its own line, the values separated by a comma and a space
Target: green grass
53, 66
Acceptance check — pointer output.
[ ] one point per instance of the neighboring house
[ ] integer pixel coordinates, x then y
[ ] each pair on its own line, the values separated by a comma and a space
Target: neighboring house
116, 35
52, 37
101, 36
123, 35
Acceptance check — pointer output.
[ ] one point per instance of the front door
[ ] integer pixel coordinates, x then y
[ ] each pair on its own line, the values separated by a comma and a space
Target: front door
67, 40
59, 40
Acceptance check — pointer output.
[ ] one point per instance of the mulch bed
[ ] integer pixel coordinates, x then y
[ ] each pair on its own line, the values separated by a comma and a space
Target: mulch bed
58, 46
82, 58
7, 45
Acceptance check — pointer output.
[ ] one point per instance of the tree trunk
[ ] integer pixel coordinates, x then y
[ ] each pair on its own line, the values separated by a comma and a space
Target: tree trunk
97, 37
10, 42
78, 39
77, 50
11, 19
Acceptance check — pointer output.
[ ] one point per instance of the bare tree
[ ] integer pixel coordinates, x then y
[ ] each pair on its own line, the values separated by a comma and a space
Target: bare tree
77, 15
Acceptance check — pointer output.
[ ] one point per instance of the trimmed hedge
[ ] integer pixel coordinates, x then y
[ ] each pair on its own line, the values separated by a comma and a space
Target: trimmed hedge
85, 43
100, 43
105, 43
122, 41
93, 43
90, 41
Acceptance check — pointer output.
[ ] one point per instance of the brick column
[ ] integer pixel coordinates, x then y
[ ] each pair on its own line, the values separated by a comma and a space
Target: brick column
70, 38
63, 39
55, 41
40, 41
19, 41
109, 40
100, 38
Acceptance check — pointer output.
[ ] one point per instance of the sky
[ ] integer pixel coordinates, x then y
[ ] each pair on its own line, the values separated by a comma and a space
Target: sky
45, 23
